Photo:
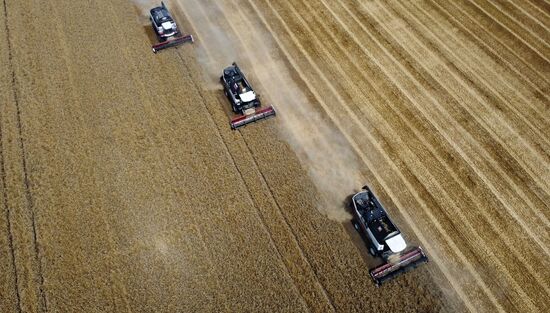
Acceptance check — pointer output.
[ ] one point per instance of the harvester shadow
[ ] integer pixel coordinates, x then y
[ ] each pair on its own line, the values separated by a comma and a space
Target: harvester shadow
143, 20
226, 106
358, 238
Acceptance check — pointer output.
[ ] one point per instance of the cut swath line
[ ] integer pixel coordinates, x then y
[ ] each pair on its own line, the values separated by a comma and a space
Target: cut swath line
438, 259
533, 175
495, 166
488, 218
472, 56
524, 12
503, 25
542, 164
535, 7
472, 229
473, 21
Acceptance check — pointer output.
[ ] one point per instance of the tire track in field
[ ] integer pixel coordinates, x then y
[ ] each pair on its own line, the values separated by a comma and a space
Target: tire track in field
433, 252
6, 206
43, 304
533, 43
488, 117
472, 26
532, 12
433, 100
260, 216
249, 192
443, 112
243, 180
8, 222
244, 44
7, 212
334, 62
488, 218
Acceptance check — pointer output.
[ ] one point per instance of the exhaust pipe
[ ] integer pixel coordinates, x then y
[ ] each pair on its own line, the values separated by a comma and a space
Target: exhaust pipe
402, 264
247, 119
172, 43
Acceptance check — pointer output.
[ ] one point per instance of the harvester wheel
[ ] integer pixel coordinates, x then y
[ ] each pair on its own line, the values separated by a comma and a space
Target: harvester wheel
355, 224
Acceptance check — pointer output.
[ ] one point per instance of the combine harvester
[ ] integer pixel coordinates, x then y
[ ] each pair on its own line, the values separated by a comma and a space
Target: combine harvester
384, 238
166, 29
242, 97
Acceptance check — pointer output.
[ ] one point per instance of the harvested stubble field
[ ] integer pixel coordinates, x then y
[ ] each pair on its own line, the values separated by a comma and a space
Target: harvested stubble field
124, 190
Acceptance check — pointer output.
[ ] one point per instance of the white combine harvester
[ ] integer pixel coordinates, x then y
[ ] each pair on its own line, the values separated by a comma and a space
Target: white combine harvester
166, 29
384, 239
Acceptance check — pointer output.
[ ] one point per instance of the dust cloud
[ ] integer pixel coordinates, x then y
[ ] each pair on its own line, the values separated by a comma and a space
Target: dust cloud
321, 148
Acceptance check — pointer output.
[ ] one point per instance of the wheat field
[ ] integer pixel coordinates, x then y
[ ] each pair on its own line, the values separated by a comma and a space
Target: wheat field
125, 190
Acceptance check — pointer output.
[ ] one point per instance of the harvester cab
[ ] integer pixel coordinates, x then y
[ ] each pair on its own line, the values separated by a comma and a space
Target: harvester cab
166, 29
384, 239
244, 100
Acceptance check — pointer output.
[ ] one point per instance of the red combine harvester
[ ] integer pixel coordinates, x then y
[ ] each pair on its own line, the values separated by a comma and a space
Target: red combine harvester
244, 100
384, 238
166, 29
